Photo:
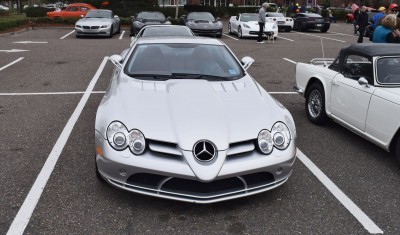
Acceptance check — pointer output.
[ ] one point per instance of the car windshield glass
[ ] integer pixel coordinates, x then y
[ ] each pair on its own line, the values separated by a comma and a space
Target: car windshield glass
167, 31
151, 15
249, 17
182, 61
388, 70
200, 16
98, 14
273, 14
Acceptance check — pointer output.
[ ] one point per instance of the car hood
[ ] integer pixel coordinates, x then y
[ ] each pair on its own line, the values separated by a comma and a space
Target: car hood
186, 111
94, 21
203, 24
151, 21
254, 25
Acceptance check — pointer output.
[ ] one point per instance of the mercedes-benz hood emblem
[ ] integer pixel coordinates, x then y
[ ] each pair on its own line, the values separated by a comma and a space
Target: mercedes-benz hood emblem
204, 151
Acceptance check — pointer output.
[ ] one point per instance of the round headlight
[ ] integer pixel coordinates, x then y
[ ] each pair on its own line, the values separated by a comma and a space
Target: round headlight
137, 143
116, 135
281, 135
265, 142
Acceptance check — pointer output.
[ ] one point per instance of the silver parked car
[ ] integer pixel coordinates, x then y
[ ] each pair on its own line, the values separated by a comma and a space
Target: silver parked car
98, 23
182, 119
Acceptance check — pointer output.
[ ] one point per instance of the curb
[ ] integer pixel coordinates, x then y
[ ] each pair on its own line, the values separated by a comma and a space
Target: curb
16, 32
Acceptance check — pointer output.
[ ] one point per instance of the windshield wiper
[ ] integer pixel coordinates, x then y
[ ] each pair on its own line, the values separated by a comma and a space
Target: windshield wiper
164, 77
200, 76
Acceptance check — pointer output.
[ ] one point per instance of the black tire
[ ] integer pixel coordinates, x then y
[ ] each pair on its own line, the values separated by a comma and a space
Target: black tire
315, 104
397, 149
119, 29
230, 29
288, 29
240, 35
111, 32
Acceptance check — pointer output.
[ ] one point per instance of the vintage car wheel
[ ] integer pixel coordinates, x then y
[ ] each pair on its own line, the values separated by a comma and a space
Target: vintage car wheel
315, 104
240, 35
229, 28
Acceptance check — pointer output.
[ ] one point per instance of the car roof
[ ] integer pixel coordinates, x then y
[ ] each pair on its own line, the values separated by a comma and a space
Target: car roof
180, 39
372, 49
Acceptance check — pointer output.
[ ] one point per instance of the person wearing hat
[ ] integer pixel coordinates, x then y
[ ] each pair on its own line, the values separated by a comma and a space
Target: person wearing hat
261, 22
379, 16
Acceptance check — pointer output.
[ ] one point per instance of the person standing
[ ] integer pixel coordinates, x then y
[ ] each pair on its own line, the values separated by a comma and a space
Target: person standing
361, 23
387, 32
261, 22
355, 14
378, 17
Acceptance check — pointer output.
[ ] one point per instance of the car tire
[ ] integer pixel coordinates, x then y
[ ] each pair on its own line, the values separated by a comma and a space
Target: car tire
230, 29
315, 104
287, 29
111, 32
119, 29
240, 34
324, 30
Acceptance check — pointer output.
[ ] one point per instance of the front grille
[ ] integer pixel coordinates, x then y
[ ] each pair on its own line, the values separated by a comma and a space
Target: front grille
165, 149
86, 27
241, 148
95, 27
204, 30
91, 27
195, 190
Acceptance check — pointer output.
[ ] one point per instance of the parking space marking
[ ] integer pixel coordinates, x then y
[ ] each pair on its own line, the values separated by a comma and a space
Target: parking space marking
231, 37
67, 34
25, 212
286, 38
122, 34
283, 92
365, 221
333, 39
14, 62
51, 93
291, 61
350, 35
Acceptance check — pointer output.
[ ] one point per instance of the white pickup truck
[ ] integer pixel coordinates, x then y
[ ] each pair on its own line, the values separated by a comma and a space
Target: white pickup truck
360, 90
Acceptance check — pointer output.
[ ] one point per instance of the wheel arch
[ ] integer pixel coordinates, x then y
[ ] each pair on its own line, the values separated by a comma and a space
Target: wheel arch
393, 141
312, 81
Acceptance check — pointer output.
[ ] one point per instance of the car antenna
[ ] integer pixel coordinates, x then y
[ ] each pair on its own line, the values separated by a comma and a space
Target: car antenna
323, 54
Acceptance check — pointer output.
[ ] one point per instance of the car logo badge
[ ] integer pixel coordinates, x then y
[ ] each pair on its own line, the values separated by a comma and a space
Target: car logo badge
204, 151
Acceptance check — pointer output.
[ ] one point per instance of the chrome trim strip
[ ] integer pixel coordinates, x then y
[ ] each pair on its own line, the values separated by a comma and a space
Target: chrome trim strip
162, 183
244, 182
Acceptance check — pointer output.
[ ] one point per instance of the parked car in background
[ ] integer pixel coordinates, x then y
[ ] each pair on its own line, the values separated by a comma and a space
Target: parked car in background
360, 90
246, 25
74, 10
203, 24
306, 21
144, 18
183, 119
162, 31
4, 8
98, 23
284, 23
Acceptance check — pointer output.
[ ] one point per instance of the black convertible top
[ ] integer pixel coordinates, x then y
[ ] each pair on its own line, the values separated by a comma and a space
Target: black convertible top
371, 49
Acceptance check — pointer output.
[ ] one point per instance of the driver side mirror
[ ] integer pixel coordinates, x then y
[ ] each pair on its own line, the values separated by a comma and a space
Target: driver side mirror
115, 17
363, 81
116, 60
246, 62
82, 16
218, 19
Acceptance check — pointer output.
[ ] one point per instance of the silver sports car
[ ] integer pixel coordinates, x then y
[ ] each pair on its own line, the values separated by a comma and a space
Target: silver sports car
98, 23
182, 119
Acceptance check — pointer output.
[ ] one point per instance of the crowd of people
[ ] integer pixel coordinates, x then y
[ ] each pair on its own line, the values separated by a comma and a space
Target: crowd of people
384, 27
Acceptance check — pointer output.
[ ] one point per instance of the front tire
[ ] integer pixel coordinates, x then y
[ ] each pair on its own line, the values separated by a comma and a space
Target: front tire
315, 104
230, 29
111, 32
240, 34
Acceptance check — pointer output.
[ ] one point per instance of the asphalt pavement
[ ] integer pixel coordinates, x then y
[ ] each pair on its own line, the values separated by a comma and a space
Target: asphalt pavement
49, 94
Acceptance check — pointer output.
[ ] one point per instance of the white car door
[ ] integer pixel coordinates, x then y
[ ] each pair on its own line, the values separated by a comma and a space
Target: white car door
350, 99
235, 24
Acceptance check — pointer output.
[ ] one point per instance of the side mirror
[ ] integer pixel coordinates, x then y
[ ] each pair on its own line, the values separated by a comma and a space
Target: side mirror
218, 19
82, 16
246, 62
116, 60
116, 16
363, 81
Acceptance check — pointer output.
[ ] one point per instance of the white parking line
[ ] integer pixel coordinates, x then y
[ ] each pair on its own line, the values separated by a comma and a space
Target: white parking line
350, 35
67, 34
286, 38
333, 39
122, 34
231, 37
25, 212
283, 92
291, 61
365, 221
51, 93
14, 62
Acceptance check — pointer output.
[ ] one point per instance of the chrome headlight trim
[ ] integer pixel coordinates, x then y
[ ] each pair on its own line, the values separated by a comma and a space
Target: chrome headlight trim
281, 135
265, 142
120, 138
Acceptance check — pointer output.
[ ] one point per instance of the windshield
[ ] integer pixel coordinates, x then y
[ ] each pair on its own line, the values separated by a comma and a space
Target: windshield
151, 15
388, 70
98, 14
249, 17
167, 31
182, 61
200, 16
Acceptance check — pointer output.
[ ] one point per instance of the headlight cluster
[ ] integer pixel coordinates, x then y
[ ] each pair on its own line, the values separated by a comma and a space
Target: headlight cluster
78, 26
120, 138
279, 137
105, 26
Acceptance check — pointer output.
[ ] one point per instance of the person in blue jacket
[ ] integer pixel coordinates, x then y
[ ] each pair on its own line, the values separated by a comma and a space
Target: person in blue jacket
387, 32
377, 17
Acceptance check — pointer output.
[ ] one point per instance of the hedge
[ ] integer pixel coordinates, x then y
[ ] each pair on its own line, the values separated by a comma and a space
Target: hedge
4, 25
36, 11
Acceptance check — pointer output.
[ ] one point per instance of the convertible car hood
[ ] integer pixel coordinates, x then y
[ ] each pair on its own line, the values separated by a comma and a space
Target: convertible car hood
186, 111
94, 21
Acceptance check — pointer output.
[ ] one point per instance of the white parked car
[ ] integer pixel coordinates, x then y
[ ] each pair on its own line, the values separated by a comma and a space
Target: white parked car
246, 25
4, 8
360, 90
284, 23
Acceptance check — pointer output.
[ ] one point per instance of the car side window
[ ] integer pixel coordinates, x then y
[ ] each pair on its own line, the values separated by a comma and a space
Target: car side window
355, 66
335, 65
84, 9
73, 9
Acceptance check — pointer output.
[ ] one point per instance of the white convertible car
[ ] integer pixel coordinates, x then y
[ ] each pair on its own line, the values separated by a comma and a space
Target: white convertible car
284, 23
360, 90
246, 25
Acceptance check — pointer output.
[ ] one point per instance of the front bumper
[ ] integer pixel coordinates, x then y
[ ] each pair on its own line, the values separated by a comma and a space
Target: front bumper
170, 177
207, 32
93, 31
317, 25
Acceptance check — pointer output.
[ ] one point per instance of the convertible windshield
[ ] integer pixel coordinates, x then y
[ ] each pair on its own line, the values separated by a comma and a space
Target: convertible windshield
249, 17
388, 70
98, 14
151, 15
201, 16
183, 61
